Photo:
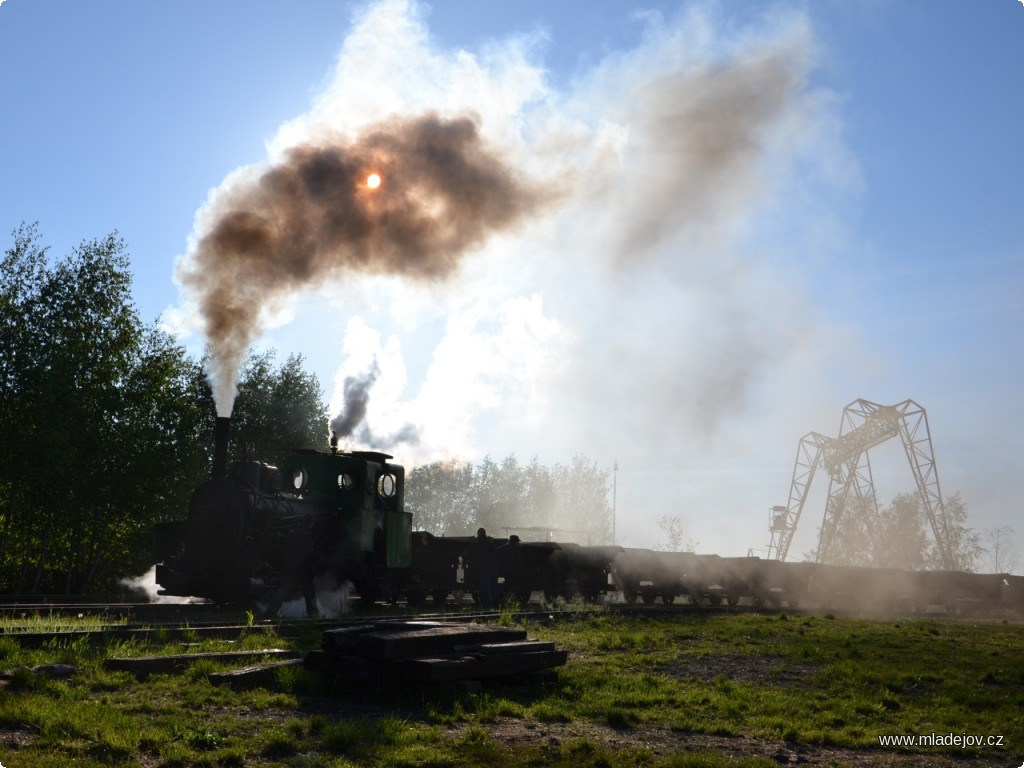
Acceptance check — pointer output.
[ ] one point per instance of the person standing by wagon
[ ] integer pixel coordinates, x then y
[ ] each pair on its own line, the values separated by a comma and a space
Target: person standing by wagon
510, 565
480, 559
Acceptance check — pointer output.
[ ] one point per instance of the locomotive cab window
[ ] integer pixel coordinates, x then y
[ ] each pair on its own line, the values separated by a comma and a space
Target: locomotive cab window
346, 482
300, 478
387, 484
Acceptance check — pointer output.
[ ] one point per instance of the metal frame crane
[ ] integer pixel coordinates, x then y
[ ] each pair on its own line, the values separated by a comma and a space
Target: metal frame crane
863, 426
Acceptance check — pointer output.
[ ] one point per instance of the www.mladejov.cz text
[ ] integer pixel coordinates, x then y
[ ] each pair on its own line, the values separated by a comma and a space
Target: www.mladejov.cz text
963, 740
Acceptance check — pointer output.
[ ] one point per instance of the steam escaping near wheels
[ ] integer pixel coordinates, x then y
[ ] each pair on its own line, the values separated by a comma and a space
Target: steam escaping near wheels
146, 585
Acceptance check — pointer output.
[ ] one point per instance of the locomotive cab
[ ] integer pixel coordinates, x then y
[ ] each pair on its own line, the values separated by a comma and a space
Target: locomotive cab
364, 497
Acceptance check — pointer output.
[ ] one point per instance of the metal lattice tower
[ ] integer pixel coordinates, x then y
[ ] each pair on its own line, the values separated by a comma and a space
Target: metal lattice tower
864, 425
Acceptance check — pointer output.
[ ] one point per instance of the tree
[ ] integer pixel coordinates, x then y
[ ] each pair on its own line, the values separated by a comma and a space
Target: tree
900, 540
899, 535
675, 535
455, 498
581, 491
853, 539
98, 442
277, 409
437, 495
964, 543
1002, 551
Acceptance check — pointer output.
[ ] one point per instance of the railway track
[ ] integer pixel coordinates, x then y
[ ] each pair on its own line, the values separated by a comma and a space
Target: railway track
34, 624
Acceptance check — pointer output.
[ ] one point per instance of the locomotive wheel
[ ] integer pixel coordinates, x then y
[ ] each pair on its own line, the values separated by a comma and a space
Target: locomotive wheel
668, 598
715, 599
416, 598
732, 599
649, 596
440, 598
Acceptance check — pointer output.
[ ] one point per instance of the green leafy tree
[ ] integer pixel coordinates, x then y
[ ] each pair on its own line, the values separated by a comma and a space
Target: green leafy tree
99, 441
582, 489
568, 501
853, 539
964, 542
437, 495
900, 536
277, 409
901, 540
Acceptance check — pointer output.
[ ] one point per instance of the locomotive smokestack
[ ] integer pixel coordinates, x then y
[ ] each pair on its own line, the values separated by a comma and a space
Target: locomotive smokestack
221, 437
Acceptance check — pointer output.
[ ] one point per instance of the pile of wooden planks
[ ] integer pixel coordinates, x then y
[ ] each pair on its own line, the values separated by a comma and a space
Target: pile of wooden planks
423, 651
410, 651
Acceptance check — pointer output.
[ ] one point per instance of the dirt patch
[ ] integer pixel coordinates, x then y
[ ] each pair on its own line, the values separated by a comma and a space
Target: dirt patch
13, 740
662, 742
765, 670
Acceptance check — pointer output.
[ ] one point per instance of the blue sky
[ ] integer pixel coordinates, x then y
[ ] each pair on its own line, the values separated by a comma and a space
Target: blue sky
871, 247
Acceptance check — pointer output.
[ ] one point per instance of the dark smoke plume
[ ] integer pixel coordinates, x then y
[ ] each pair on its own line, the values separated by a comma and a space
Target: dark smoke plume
353, 413
704, 136
357, 396
313, 217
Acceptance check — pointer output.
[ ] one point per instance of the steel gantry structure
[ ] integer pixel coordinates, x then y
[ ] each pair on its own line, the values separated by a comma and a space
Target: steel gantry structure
845, 458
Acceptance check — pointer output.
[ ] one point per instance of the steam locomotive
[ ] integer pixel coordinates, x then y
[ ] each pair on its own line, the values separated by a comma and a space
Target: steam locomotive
238, 545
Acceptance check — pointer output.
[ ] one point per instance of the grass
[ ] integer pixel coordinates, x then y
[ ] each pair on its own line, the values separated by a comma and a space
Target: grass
849, 681
749, 682
57, 622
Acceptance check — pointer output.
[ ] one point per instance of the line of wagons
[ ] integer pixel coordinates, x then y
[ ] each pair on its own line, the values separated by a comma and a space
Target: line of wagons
252, 528
593, 573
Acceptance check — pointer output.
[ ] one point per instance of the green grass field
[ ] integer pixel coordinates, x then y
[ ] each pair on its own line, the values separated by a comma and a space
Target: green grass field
688, 690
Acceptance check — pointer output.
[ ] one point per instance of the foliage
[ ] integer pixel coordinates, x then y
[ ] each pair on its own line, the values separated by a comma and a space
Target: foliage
900, 535
98, 415
277, 409
107, 422
964, 543
568, 501
675, 535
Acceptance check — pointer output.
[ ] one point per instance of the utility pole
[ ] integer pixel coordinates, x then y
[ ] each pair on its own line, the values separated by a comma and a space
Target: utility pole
615, 493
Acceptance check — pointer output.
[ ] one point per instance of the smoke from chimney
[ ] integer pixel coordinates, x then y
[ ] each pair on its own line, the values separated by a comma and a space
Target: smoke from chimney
356, 399
317, 215
357, 396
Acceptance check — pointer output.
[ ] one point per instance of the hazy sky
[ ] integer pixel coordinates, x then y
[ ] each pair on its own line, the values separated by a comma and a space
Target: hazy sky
755, 213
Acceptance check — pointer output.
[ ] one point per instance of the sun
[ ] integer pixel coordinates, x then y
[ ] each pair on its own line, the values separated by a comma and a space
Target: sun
373, 181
